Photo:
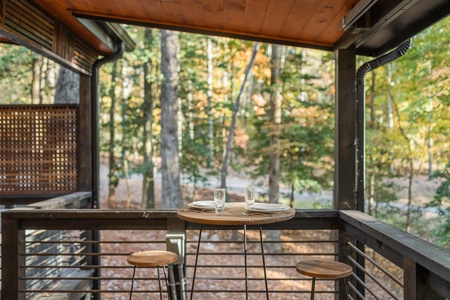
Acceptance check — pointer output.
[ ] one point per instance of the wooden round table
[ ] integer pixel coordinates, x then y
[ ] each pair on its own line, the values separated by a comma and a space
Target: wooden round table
234, 214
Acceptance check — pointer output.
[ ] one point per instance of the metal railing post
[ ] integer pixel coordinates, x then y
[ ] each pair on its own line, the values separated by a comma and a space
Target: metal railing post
176, 242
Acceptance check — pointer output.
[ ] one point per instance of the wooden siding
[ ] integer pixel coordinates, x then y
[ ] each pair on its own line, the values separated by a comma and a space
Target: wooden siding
28, 20
2, 11
84, 56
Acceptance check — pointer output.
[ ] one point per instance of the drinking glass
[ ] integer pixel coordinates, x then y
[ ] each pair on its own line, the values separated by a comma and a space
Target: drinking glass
219, 199
249, 193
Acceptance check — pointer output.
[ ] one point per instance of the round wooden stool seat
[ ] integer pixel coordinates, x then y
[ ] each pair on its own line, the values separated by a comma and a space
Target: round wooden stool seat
152, 258
324, 269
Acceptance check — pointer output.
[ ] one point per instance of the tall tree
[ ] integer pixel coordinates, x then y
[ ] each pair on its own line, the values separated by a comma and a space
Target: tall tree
170, 169
148, 186
223, 179
126, 124
67, 86
36, 80
209, 96
113, 180
275, 121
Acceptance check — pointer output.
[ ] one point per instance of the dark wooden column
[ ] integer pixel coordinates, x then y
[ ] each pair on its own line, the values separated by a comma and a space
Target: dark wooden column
13, 247
345, 130
345, 156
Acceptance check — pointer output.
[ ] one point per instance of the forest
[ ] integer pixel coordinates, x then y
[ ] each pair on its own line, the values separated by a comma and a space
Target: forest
190, 108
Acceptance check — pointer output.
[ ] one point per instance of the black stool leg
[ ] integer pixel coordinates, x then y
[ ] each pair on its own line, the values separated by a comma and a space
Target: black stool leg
313, 287
159, 283
132, 281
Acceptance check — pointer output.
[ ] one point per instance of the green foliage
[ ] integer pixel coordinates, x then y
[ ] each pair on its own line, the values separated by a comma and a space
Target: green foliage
306, 130
441, 203
16, 73
407, 113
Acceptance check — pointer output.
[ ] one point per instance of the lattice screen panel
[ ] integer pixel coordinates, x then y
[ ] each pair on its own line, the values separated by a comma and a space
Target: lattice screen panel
38, 149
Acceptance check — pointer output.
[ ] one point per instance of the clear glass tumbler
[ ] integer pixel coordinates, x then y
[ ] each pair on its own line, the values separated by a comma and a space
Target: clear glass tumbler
249, 194
219, 199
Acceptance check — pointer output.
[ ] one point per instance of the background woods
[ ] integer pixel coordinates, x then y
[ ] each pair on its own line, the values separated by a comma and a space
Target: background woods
169, 108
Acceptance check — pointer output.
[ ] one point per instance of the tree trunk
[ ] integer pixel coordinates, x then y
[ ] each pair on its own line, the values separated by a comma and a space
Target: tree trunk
67, 87
148, 180
209, 96
223, 181
410, 183
274, 135
430, 140
275, 121
112, 176
35, 81
126, 91
390, 116
42, 81
411, 166
170, 167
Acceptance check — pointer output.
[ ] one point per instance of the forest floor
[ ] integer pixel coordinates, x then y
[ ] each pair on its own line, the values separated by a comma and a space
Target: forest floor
423, 191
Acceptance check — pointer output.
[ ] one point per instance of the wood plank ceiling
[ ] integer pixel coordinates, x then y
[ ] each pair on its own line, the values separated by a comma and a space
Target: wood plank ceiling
301, 22
307, 23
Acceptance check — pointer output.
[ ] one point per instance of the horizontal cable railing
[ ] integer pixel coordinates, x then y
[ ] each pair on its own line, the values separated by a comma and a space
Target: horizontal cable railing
281, 256
125, 232
116, 273
40, 245
386, 263
393, 264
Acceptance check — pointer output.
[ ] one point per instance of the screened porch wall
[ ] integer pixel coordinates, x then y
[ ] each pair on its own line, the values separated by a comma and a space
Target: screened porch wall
38, 150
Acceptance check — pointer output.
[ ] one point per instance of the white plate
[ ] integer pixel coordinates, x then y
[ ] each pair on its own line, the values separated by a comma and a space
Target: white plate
268, 207
206, 205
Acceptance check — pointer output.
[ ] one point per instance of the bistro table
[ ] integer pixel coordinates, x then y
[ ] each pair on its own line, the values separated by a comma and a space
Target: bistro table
234, 214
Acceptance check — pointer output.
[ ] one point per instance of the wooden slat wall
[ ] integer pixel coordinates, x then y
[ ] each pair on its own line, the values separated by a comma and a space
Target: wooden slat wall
38, 149
84, 57
63, 44
2, 9
28, 20
45, 34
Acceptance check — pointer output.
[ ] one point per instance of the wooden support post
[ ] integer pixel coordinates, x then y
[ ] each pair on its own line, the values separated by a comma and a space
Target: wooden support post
418, 281
12, 236
345, 176
345, 130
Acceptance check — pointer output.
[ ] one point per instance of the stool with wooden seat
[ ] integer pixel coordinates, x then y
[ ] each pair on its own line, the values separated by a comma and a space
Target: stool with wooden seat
324, 269
151, 259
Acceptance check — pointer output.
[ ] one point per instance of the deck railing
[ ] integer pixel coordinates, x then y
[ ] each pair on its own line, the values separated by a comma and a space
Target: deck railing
388, 263
40, 242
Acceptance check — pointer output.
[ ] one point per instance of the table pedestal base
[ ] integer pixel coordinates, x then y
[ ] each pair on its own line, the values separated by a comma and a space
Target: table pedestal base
245, 261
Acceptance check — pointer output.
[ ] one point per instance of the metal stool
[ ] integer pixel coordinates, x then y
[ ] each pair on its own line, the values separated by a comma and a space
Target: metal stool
326, 269
151, 259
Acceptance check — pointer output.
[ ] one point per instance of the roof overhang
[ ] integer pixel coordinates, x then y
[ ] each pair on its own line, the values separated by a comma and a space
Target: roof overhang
388, 23
372, 27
